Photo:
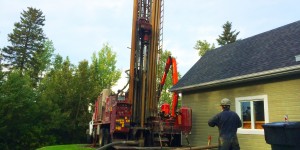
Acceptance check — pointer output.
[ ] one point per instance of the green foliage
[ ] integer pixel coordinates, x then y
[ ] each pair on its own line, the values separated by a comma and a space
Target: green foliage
59, 93
203, 47
27, 52
58, 60
1, 69
83, 95
227, 36
37, 111
44, 58
104, 73
18, 113
55, 113
1, 60
66, 91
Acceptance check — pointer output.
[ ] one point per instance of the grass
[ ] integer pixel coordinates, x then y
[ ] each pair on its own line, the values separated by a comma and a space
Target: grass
68, 147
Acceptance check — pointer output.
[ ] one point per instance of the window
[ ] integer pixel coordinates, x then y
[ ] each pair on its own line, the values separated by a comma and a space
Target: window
253, 111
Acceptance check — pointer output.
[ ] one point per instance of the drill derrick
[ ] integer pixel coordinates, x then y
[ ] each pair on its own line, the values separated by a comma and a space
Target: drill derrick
134, 117
144, 53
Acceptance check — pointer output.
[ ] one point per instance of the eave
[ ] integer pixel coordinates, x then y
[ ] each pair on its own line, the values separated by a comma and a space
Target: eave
239, 79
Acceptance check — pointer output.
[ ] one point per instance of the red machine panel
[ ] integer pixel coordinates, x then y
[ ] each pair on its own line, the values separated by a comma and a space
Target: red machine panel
110, 102
186, 119
165, 108
120, 117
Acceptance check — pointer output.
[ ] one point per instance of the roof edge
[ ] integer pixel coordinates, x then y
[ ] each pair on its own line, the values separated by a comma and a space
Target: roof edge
243, 78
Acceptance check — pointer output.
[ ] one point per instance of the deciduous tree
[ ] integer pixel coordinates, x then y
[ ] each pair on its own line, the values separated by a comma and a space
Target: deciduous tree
104, 72
18, 111
58, 93
226, 37
203, 47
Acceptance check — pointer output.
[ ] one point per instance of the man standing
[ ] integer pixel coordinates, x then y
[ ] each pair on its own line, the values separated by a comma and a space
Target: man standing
227, 121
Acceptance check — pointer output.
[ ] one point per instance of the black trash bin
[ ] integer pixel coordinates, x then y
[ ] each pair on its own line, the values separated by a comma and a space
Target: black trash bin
283, 135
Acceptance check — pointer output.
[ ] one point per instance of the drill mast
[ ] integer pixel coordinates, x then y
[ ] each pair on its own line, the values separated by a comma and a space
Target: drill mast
146, 44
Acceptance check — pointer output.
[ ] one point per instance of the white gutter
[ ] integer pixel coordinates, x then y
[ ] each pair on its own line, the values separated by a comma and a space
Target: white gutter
243, 78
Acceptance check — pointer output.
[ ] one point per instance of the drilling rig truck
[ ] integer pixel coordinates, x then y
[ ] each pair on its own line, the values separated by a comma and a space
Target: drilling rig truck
134, 115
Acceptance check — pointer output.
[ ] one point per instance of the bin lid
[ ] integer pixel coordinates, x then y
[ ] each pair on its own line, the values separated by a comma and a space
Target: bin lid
283, 124
293, 125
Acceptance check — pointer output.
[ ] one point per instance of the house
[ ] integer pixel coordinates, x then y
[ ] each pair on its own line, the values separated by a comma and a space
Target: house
259, 74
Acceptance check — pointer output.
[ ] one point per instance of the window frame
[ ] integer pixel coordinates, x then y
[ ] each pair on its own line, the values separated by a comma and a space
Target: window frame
238, 101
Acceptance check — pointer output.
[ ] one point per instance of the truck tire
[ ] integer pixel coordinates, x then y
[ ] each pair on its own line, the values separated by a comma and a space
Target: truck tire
104, 137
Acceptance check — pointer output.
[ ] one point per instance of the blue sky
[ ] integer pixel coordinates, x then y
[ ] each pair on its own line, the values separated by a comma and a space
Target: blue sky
80, 27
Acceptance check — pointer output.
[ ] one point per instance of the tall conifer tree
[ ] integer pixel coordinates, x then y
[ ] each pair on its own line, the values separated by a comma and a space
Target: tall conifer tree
27, 43
227, 36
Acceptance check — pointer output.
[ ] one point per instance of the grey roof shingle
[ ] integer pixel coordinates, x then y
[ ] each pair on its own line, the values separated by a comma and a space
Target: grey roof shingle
270, 50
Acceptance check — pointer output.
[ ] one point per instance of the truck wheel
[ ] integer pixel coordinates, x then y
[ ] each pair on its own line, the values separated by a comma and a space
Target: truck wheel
104, 137
101, 137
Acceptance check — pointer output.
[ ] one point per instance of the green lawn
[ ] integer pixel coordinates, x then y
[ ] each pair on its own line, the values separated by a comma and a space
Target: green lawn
67, 147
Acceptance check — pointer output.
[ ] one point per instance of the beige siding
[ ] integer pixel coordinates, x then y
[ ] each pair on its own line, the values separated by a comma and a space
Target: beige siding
253, 142
283, 98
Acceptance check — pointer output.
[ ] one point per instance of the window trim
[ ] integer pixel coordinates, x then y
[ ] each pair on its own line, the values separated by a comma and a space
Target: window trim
238, 100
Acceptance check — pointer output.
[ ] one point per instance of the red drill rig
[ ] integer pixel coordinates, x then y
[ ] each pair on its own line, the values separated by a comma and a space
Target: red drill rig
134, 115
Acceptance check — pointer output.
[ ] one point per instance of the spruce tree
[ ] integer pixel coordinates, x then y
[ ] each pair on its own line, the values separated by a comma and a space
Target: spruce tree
227, 36
27, 43
1, 60
1, 70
